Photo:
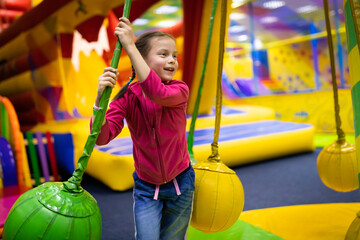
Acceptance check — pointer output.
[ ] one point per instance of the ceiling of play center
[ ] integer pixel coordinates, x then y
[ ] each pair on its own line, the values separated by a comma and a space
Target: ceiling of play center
267, 20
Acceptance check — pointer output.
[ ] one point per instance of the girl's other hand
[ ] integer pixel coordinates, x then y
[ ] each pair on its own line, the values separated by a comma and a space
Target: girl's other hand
124, 32
107, 79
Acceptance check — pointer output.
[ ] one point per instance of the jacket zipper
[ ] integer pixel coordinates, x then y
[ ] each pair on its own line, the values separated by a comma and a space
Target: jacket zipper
160, 157
156, 141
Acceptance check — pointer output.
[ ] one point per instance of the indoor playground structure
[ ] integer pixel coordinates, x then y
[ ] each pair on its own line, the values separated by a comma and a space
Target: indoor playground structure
253, 97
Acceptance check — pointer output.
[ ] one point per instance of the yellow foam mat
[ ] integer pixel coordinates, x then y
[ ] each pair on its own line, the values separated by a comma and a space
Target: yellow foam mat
305, 222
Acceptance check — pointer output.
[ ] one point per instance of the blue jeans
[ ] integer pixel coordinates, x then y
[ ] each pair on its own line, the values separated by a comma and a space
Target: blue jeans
169, 216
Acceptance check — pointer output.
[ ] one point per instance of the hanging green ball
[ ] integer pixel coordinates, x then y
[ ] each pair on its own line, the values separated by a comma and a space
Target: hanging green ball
51, 212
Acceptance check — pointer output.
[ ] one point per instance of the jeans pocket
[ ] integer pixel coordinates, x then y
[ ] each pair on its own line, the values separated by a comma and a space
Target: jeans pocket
135, 177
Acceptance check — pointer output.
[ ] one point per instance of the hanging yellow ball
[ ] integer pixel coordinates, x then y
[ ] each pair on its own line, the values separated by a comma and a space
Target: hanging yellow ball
353, 233
218, 197
337, 166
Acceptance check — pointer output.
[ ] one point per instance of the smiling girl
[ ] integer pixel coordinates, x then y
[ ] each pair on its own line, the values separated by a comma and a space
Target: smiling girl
155, 112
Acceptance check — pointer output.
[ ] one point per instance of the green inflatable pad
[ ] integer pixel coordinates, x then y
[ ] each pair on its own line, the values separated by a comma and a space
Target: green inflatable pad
240, 231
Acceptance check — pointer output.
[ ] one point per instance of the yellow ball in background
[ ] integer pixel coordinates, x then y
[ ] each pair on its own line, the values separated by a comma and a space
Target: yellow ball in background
218, 197
337, 166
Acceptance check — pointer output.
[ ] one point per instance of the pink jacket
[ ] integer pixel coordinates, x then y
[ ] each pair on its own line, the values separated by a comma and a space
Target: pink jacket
155, 113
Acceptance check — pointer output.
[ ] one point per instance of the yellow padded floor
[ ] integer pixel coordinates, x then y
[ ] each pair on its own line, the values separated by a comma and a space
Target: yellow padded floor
305, 222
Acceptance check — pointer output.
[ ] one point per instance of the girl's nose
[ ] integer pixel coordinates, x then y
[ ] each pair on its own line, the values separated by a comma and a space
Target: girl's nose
171, 60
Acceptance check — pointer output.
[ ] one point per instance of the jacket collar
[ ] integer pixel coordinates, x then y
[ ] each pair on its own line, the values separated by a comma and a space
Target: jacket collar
136, 88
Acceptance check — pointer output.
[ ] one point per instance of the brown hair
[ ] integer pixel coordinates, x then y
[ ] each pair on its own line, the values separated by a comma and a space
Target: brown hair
143, 44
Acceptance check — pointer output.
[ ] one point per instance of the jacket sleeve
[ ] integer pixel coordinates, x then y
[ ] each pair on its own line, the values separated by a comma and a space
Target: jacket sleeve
174, 94
114, 121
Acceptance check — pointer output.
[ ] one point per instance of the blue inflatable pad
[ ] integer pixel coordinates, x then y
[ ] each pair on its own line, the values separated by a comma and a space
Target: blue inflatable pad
64, 151
8, 164
123, 146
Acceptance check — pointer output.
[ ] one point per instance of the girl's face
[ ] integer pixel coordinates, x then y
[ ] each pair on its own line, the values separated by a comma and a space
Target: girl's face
162, 57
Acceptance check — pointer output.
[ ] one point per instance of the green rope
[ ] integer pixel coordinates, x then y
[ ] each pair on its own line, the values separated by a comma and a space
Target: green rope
190, 140
73, 183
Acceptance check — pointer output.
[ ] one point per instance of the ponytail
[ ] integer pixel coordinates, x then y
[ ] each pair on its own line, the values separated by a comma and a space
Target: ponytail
124, 88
